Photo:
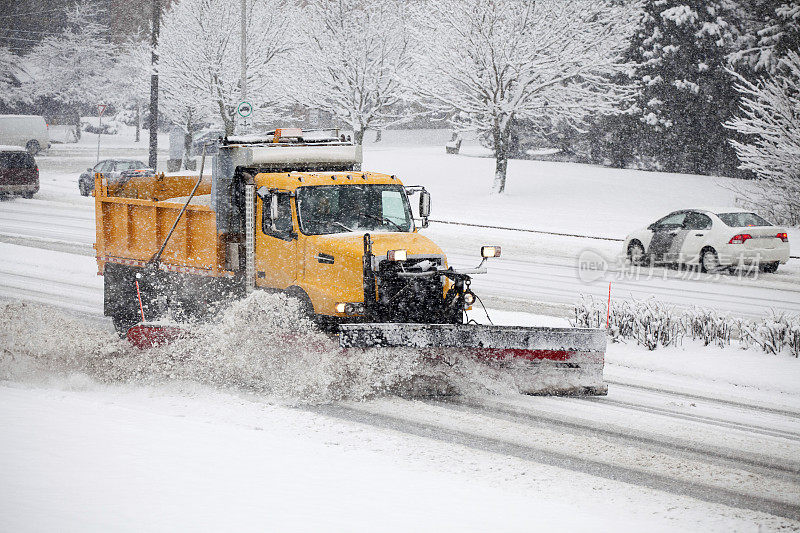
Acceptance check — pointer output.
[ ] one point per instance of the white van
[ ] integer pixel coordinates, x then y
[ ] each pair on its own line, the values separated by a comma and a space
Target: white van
29, 131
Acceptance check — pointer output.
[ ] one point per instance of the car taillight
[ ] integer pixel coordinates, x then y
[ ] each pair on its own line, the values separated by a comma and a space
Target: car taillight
740, 238
782, 236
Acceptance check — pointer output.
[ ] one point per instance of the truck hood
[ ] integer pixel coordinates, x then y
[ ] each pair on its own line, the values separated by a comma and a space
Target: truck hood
352, 244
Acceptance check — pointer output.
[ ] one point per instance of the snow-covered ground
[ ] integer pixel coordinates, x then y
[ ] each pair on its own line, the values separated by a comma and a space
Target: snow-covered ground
97, 437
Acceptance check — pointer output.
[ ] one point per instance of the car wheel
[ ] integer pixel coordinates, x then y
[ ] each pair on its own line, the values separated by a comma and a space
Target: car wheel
33, 147
709, 261
769, 268
636, 253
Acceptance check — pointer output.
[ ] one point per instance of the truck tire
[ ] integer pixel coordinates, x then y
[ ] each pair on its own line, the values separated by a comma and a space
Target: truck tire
306, 307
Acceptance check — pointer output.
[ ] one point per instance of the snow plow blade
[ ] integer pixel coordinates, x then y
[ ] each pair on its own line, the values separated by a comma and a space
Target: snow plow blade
557, 361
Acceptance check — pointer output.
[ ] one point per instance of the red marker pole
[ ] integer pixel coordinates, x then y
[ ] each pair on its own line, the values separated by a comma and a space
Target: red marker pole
139, 294
608, 308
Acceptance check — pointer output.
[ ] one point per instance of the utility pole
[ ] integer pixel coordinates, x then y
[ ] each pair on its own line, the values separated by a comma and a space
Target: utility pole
153, 161
243, 81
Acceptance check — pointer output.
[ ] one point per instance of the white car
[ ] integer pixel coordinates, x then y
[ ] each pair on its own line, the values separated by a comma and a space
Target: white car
713, 239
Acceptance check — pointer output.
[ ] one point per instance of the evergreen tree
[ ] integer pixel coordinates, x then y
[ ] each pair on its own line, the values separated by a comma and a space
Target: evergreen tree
769, 30
687, 94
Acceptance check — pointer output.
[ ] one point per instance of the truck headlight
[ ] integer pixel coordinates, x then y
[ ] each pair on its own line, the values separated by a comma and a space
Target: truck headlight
397, 255
490, 251
350, 308
469, 298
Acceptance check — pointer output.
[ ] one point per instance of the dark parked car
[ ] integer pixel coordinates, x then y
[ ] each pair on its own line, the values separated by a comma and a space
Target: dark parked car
19, 173
111, 168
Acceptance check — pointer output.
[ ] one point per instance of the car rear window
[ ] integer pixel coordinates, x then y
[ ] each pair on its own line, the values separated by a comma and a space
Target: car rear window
16, 160
128, 165
737, 220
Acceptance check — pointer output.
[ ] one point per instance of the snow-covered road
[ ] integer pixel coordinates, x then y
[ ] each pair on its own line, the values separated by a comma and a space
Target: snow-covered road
535, 272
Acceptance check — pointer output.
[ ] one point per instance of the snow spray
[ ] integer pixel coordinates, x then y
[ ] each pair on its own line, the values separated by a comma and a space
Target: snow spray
262, 344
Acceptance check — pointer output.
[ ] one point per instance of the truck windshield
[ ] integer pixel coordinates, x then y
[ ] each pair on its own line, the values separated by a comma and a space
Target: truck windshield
342, 208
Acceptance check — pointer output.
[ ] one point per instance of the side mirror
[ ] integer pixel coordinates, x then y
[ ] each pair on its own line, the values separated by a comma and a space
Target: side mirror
424, 204
652, 226
90, 170
273, 211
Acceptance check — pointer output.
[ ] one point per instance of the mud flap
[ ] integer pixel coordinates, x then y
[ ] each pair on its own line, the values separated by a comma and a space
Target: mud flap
148, 335
541, 360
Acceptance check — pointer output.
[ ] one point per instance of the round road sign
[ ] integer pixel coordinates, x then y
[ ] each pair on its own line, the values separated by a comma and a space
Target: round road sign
245, 109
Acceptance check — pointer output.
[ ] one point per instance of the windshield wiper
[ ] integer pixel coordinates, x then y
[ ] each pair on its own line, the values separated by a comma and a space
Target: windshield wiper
342, 225
381, 219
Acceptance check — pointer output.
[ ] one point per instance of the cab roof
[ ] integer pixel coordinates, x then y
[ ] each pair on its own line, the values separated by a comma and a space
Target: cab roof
292, 180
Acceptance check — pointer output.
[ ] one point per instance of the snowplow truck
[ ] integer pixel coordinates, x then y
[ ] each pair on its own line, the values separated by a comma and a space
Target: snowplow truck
292, 211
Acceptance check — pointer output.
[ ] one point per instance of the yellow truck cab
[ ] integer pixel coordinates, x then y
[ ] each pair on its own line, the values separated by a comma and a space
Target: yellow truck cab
315, 242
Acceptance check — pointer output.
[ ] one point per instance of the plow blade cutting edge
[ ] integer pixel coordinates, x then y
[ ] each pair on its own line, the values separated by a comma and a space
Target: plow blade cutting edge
540, 360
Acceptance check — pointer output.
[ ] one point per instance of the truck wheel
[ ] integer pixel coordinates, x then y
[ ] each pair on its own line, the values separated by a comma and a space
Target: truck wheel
306, 307
122, 324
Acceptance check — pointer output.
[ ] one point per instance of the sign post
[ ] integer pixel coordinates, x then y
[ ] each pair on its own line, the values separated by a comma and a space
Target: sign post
101, 108
244, 109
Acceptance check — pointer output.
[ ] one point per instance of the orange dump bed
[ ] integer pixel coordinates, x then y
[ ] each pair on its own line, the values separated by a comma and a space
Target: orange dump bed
133, 220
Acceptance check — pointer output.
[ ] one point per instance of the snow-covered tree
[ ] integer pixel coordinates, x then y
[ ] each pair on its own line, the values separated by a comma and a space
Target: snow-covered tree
199, 54
681, 49
769, 30
770, 121
74, 68
489, 62
8, 89
130, 78
351, 61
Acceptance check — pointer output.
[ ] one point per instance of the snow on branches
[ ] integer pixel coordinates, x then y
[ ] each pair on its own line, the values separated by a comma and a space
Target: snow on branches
488, 62
770, 120
351, 61
72, 68
8, 63
651, 323
199, 54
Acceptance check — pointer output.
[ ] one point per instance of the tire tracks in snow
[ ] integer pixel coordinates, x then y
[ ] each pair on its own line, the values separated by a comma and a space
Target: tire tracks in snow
721, 401
698, 486
756, 463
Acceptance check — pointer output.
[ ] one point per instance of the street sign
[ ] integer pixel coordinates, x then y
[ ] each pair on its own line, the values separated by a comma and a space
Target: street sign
245, 109
101, 108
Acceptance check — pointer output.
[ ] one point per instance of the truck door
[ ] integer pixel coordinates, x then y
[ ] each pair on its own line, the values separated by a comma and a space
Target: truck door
276, 249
